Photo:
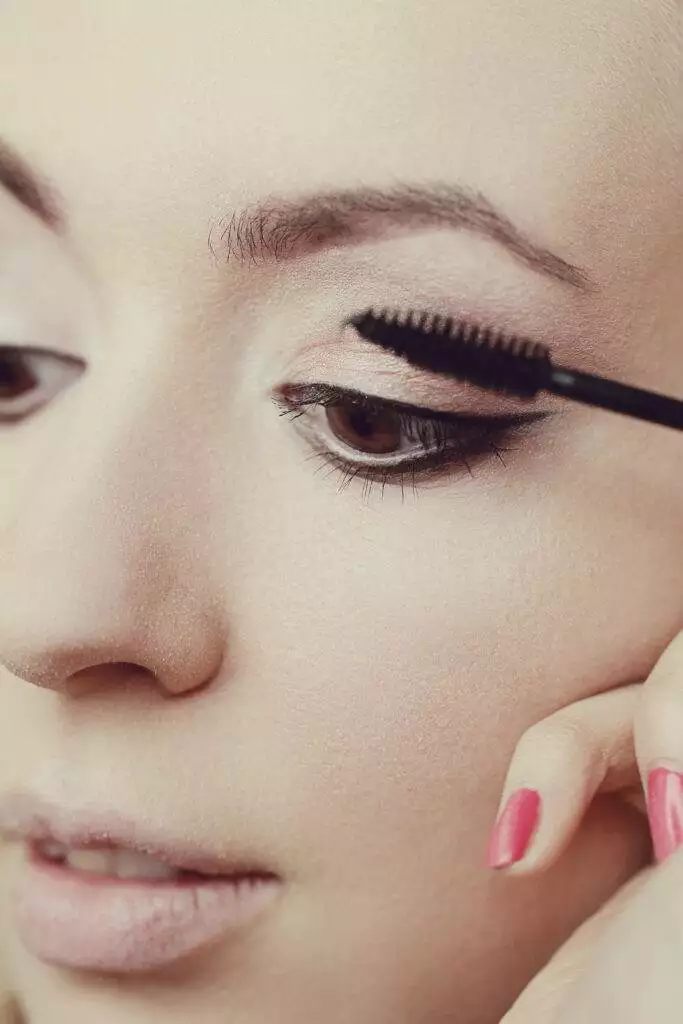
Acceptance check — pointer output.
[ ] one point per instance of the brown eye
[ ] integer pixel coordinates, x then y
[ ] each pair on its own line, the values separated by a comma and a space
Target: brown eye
31, 378
373, 431
16, 375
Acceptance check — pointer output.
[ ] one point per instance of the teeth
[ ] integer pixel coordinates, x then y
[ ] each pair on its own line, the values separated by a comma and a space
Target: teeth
119, 864
137, 865
113, 863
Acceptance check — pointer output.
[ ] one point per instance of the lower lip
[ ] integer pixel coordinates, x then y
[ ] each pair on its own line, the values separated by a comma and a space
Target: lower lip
89, 922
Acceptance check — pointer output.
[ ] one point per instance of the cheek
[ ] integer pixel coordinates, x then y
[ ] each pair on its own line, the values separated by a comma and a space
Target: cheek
403, 649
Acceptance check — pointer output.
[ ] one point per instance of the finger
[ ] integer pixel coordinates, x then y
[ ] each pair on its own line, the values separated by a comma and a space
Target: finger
631, 972
658, 737
557, 768
550, 990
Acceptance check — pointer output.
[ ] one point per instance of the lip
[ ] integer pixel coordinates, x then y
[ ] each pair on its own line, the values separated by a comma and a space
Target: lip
88, 922
29, 817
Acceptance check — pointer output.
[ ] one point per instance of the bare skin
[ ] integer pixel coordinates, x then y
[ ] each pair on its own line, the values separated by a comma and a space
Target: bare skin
624, 962
200, 630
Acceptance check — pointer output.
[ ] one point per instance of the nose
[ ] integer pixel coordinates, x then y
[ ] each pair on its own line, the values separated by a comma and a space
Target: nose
104, 566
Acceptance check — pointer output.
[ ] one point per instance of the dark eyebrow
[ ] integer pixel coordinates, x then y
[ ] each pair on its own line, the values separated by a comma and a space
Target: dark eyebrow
17, 178
281, 229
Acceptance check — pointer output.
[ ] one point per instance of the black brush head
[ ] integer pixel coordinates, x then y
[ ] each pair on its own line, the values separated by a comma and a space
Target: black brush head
485, 358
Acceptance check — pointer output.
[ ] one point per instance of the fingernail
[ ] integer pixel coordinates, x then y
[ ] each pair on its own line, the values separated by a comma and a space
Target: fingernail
513, 831
665, 810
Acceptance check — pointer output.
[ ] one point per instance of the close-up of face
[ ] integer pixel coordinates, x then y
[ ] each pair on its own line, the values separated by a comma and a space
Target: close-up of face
275, 608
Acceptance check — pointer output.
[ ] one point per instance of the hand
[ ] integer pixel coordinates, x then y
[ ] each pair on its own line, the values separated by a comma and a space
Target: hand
625, 964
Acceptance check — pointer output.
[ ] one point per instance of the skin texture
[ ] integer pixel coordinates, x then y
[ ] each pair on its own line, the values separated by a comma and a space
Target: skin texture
222, 641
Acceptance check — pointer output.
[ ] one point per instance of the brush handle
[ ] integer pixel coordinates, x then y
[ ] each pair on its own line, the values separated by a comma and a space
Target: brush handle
609, 394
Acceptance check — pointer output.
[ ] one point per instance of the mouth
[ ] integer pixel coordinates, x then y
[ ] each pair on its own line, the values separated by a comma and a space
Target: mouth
98, 861
97, 894
60, 834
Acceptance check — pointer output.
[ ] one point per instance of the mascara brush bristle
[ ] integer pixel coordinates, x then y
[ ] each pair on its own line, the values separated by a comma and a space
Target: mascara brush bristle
486, 358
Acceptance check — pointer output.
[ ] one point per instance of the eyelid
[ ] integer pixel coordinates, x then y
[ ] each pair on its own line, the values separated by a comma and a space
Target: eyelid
458, 444
326, 394
355, 364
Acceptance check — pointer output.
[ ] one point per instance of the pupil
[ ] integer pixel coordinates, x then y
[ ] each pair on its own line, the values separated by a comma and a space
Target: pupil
373, 432
15, 378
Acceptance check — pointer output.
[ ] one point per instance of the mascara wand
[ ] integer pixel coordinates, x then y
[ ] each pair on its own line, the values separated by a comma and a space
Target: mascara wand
509, 364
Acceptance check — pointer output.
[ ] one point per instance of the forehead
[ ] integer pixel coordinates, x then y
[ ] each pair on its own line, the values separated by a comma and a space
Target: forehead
560, 112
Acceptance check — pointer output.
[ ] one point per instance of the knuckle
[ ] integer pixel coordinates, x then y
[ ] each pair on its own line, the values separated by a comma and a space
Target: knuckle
652, 712
661, 700
559, 741
659, 717
667, 674
658, 724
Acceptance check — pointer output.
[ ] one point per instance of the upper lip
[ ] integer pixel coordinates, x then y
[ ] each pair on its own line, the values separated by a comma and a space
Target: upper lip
34, 819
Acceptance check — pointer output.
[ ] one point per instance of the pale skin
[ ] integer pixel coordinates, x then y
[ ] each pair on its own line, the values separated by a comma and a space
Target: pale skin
624, 963
360, 668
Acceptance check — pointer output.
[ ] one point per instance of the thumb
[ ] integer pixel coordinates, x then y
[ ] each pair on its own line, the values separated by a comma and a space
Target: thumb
545, 999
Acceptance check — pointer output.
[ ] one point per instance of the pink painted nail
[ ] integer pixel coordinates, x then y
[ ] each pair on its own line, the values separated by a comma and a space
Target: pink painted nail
665, 810
513, 830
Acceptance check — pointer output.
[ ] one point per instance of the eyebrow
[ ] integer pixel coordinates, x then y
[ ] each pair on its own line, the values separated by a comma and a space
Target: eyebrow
282, 229
32, 191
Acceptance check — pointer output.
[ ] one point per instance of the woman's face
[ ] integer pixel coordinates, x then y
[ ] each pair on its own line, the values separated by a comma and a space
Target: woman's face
246, 631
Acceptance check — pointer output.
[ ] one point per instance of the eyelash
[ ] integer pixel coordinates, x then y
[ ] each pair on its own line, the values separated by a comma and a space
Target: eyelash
448, 440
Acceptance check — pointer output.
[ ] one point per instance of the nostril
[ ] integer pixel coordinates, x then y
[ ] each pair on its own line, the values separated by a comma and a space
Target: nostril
59, 671
103, 676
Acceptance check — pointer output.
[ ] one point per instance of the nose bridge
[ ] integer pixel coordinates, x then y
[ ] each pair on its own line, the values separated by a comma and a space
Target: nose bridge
107, 479
102, 563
